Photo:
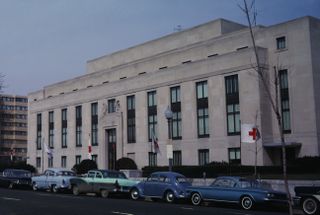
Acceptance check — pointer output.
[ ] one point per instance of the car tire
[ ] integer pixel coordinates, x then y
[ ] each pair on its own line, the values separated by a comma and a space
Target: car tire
34, 186
10, 186
310, 206
246, 202
104, 193
134, 194
54, 188
196, 199
75, 190
169, 196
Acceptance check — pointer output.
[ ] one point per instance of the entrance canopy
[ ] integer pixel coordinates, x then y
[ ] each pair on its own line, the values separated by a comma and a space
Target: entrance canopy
276, 145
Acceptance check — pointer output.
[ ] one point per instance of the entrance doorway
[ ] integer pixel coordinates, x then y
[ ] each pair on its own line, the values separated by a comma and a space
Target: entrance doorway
112, 147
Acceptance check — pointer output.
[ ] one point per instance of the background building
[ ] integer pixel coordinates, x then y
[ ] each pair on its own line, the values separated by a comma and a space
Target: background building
206, 75
13, 128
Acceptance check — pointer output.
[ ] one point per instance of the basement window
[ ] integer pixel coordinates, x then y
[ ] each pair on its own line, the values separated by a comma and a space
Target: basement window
105, 82
124, 77
212, 55
188, 61
141, 73
164, 67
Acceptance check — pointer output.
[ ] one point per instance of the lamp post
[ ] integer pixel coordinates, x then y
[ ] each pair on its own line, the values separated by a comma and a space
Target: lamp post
168, 114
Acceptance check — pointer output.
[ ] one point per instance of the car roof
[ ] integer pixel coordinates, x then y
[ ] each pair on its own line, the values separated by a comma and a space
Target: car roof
167, 173
16, 170
59, 169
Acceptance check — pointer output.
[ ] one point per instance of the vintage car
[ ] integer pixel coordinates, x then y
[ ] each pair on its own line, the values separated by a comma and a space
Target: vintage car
169, 186
102, 182
14, 178
53, 179
243, 191
308, 198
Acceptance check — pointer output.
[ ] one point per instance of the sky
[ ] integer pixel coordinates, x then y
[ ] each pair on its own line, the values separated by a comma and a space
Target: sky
43, 42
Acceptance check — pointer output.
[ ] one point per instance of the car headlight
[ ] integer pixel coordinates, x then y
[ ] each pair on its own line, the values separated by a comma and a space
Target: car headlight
270, 195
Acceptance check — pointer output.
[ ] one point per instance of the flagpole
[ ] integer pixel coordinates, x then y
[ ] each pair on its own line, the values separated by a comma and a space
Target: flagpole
42, 158
240, 146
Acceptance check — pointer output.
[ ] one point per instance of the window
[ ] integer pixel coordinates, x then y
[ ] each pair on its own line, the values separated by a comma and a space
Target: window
63, 161
38, 162
50, 162
51, 129
281, 43
203, 156
78, 159
232, 103
95, 158
202, 109
284, 97
131, 119
177, 158
94, 124
152, 114
234, 156
64, 127
111, 105
78, 126
176, 110
39, 128
152, 159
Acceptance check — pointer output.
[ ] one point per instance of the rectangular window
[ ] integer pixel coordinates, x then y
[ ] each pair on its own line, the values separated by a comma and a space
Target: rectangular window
176, 110
152, 114
177, 158
50, 162
232, 104
78, 126
281, 43
94, 124
202, 109
131, 119
111, 105
78, 159
38, 162
64, 128
63, 161
152, 159
203, 156
95, 158
234, 156
51, 129
39, 131
285, 105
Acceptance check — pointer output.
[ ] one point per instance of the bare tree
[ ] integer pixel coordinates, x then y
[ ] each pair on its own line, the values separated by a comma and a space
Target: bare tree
273, 100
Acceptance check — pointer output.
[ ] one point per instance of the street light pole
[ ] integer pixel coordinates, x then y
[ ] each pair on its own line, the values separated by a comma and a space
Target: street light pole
168, 114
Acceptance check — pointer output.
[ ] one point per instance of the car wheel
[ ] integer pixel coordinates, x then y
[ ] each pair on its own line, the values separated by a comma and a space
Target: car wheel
54, 189
75, 190
10, 186
34, 186
196, 199
169, 196
246, 202
104, 193
310, 206
134, 194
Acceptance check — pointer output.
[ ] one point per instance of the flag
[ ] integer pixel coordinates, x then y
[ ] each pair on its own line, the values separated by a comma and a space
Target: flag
48, 150
249, 133
154, 144
89, 148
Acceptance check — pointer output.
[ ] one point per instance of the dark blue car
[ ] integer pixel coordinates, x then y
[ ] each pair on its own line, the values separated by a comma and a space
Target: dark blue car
242, 191
169, 186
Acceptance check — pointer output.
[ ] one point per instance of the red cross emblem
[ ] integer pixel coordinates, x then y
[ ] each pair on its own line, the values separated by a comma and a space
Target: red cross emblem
253, 133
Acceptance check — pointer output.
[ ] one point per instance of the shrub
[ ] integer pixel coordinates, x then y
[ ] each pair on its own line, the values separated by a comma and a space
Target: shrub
84, 166
125, 163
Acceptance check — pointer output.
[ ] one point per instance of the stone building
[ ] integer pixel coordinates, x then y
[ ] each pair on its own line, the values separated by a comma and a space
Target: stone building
206, 75
13, 128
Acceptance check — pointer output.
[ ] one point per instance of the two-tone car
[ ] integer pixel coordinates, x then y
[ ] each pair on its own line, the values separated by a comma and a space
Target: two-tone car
308, 198
53, 179
243, 191
169, 186
15, 178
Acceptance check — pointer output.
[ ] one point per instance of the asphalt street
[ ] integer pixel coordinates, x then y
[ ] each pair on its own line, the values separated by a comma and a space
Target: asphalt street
27, 202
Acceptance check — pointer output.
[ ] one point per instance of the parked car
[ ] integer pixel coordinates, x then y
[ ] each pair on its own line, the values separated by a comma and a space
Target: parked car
308, 198
243, 191
13, 178
53, 179
169, 186
102, 182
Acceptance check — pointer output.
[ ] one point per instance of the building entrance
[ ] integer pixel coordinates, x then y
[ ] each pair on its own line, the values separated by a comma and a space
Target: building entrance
112, 147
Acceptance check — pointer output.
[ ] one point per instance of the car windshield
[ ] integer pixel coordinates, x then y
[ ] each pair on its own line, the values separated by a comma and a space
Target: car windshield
250, 183
66, 173
107, 174
17, 173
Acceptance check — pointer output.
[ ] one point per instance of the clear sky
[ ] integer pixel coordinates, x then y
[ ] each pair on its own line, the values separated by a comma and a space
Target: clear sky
46, 41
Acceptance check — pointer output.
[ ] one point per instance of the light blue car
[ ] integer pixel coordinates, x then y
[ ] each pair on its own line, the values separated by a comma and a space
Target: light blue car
53, 179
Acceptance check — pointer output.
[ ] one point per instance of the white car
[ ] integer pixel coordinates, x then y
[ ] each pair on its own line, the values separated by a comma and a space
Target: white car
53, 179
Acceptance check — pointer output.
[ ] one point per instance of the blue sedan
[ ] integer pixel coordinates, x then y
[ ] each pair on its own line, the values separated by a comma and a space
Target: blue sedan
169, 186
243, 191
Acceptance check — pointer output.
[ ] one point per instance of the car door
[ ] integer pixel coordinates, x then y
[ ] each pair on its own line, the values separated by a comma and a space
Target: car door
98, 182
150, 186
224, 190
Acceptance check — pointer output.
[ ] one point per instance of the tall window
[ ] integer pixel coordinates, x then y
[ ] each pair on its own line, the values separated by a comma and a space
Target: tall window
50, 162
152, 114
131, 119
202, 109
284, 96
176, 110
111, 105
63, 161
203, 155
39, 128
234, 155
51, 129
78, 126
95, 158
64, 128
38, 162
94, 124
232, 103
152, 159
177, 158
281, 42
78, 159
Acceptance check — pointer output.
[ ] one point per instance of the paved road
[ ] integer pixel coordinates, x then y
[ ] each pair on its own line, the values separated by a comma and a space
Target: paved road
27, 202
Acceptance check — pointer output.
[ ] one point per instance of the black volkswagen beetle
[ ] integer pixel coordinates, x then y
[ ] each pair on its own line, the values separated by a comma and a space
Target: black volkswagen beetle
14, 178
